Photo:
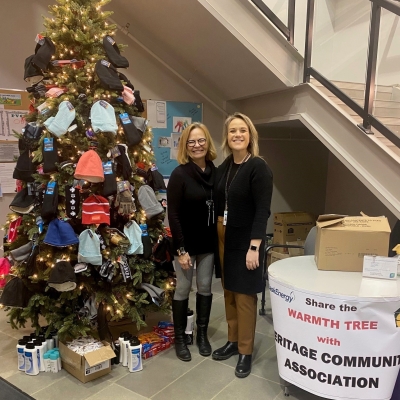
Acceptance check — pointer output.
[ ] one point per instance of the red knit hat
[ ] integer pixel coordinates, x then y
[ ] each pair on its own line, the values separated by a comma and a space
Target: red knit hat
95, 210
90, 167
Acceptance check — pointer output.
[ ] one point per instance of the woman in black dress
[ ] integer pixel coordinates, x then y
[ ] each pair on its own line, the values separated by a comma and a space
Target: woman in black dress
244, 190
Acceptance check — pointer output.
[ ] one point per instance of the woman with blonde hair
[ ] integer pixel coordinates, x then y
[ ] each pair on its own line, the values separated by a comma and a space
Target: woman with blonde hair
243, 188
190, 195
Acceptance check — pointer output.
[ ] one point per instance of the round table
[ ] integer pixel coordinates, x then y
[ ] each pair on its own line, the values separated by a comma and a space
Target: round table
337, 334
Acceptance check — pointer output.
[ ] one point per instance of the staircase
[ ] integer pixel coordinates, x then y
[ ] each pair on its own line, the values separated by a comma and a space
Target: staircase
386, 108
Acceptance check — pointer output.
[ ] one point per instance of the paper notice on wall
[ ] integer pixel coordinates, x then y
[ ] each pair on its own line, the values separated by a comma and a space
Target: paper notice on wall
8, 151
157, 113
11, 120
7, 181
175, 137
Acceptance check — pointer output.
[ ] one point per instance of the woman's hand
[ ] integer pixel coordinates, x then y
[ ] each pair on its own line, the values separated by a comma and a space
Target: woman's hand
185, 261
252, 259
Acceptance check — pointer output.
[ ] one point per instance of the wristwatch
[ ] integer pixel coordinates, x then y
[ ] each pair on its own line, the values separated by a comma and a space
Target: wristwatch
181, 251
253, 248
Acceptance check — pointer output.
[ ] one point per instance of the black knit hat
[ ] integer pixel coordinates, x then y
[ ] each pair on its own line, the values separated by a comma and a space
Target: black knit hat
23, 203
15, 294
62, 277
108, 76
24, 168
113, 53
43, 54
32, 74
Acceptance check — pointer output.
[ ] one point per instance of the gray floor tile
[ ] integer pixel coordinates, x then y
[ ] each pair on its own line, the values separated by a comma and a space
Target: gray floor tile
158, 372
31, 384
8, 364
8, 344
117, 392
266, 365
298, 394
251, 387
200, 383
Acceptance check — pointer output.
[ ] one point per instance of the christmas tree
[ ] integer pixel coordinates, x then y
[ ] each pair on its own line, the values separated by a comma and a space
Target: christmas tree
86, 176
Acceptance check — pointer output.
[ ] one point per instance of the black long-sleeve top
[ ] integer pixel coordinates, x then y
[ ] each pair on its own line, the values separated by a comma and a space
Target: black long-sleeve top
192, 226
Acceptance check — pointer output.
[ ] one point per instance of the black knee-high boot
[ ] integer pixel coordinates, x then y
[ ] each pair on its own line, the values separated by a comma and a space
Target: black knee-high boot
179, 313
203, 308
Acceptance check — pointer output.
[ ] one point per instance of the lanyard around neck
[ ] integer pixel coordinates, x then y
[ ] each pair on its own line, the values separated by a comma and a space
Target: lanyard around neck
227, 178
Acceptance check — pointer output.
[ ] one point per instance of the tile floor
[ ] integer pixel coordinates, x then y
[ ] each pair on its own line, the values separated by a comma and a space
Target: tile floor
163, 376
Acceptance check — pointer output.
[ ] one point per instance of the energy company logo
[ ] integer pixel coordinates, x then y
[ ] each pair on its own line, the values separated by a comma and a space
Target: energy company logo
287, 297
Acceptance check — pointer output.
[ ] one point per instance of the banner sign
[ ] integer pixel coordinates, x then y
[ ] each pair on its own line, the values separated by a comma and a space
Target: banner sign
335, 346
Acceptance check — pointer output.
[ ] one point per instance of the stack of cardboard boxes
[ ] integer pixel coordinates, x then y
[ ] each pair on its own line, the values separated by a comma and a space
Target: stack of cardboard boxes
290, 228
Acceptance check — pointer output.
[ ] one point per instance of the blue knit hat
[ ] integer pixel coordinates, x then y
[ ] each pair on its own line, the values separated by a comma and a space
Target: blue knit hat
89, 248
134, 234
60, 234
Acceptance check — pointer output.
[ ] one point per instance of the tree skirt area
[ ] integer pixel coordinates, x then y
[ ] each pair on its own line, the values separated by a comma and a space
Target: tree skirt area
11, 392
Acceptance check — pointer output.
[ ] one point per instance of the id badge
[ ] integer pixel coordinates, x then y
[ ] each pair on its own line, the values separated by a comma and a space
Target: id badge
225, 217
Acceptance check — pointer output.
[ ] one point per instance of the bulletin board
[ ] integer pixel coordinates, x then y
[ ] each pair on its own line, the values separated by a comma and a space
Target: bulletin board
14, 105
167, 120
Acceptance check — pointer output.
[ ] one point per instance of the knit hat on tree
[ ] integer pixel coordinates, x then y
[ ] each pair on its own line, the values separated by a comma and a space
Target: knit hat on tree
108, 76
90, 167
32, 74
22, 253
89, 248
5, 267
15, 294
62, 277
95, 210
148, 201
43, 53
134, 234
24, 168
113, 53
60, 234
23, 203
102, 116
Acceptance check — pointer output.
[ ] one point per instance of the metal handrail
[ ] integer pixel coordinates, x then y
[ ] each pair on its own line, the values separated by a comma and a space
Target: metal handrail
369, 120
287, 31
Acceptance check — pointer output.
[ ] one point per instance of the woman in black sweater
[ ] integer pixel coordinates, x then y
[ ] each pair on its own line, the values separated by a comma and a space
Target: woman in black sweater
190, 197
244, 189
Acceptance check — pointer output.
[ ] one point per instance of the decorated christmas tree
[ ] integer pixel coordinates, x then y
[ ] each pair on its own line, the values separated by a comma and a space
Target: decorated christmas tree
86, 230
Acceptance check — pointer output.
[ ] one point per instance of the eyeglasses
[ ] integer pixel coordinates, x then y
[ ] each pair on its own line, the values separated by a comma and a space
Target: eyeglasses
192, 143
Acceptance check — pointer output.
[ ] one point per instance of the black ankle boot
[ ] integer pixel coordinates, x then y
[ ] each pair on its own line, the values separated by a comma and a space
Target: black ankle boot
203, 308
179, 312
223, 353
243, 367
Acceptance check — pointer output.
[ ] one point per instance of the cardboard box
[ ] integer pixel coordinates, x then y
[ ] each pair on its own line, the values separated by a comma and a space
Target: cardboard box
290, 227
342, 241
275, 256
89, 366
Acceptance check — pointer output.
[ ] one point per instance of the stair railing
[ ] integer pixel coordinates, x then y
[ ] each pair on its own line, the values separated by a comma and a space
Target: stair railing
366, 112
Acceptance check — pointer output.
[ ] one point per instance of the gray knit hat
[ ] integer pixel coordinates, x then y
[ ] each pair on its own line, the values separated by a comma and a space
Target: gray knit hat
148, 201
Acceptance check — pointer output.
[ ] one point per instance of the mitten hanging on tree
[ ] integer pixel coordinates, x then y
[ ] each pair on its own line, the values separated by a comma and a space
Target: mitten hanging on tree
123, 162
50, 202
110, 182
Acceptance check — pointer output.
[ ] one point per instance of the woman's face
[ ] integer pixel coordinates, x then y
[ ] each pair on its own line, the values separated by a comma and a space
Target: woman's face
197, 145
238, 135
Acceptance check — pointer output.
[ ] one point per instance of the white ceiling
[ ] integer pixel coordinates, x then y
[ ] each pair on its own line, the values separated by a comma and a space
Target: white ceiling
191, 41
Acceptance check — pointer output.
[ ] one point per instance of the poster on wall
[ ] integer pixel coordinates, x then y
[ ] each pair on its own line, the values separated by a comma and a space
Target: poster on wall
336, 347
167, 131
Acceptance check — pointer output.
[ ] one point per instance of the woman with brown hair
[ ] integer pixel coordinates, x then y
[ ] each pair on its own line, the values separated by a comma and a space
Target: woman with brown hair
190, 195
244, 189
